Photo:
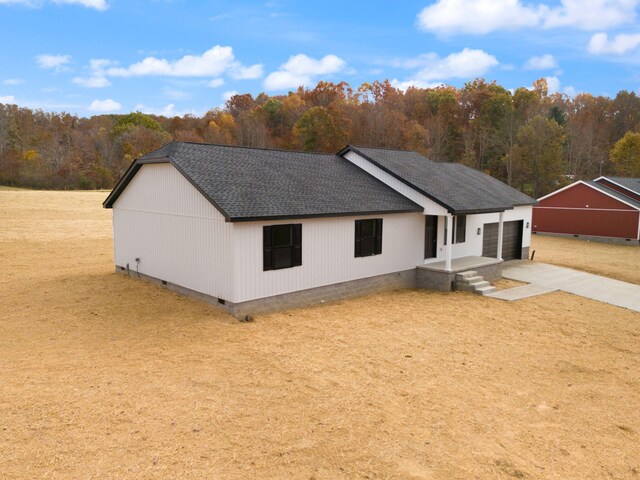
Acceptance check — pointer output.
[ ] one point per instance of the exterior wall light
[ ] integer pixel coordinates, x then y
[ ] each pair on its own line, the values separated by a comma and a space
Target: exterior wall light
527, 224
479, 230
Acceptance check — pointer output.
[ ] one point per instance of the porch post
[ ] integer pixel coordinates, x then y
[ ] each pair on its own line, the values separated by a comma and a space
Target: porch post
500, 232
449, 230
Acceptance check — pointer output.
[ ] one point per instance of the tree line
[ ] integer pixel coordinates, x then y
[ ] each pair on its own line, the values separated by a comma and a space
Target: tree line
528, 138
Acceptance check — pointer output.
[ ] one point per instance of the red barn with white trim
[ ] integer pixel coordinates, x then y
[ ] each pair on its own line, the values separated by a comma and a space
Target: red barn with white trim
604, 207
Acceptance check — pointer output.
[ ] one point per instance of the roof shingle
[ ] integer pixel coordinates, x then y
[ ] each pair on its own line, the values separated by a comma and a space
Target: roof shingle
457, 187
252, 183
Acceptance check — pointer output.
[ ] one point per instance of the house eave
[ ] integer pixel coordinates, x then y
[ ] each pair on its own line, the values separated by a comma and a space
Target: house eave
350, 148
478, 211
322, 215
133, 169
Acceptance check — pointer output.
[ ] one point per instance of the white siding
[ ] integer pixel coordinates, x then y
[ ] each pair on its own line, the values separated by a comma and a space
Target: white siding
430, 207
177, 234
181, 238
327, 254
473, 244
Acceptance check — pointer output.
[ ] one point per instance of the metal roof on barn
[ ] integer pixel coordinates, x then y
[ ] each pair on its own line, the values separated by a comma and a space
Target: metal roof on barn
614, 193
632, 184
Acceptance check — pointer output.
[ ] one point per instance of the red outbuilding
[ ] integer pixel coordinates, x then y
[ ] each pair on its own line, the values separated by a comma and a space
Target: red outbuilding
604, 207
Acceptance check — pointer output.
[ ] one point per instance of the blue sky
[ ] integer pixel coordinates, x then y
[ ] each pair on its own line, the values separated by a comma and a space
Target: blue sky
174, 57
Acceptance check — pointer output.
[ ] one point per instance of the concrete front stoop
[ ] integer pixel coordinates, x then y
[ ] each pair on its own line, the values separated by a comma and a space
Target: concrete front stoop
470, 281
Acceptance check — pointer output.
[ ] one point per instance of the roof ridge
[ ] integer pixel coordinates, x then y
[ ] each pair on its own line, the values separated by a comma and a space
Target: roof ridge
249, 148
387, 148
612, 191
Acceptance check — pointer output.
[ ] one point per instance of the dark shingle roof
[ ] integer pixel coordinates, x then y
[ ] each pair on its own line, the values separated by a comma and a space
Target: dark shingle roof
632, 184
458, 188
614, 193
251, 183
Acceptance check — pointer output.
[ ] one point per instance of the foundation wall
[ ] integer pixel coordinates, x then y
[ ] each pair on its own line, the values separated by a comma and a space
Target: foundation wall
445, 281
414, 278
328, 293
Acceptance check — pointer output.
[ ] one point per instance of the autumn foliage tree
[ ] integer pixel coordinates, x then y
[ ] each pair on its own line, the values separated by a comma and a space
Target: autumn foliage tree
530, 138
625, 155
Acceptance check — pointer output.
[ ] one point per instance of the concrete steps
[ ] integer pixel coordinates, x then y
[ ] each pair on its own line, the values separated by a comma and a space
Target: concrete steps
470, 281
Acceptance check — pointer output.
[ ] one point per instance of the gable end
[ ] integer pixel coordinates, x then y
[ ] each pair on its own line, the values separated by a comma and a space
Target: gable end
349, 148
582, 195
135, 167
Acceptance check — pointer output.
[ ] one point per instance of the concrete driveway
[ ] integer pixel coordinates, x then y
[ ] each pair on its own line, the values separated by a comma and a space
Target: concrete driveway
615, 292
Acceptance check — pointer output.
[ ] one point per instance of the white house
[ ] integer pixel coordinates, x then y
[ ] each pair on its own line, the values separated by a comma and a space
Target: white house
258, 229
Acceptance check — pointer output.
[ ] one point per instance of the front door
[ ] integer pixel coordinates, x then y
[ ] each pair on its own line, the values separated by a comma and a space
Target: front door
430, 236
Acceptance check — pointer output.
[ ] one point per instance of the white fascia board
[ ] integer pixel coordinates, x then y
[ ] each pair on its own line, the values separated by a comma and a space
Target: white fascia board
615, 183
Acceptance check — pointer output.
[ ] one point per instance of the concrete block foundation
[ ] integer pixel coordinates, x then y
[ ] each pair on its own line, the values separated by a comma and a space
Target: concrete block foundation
443, 281
423, 277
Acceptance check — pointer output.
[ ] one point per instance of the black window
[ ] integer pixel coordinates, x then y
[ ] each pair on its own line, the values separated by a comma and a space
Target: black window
459, 231
459, 228
282, 246
368, 237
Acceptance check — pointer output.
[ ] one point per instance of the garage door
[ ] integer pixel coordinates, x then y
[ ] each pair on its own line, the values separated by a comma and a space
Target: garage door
511, 240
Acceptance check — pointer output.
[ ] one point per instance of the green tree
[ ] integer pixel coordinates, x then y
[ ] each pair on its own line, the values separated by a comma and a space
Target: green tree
539, 156
317, 130
625, 155
134, 119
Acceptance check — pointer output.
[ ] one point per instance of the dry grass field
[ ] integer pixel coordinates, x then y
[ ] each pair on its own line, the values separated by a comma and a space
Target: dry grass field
618, 261
103, 376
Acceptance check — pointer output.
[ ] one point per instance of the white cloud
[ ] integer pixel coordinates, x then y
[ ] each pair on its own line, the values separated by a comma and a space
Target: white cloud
542, 62
216, 82
553, 84
105, 106
300, 70
618, 45
166, 111
97, 4
7, 99
98, 65
57, 62
478, 17
467, 63
591, 14
12, 81
414, 83
227, 95
212, 63
92, 82
243, 73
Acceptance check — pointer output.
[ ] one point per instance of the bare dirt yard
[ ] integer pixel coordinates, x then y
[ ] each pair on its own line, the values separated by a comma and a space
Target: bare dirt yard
104, 376
619, 261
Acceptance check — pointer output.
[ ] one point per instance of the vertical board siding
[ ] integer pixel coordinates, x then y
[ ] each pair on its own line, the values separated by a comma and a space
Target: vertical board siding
473, 242
327, 254
584, 210
597, 223
177, 234
181, 238
583, 196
